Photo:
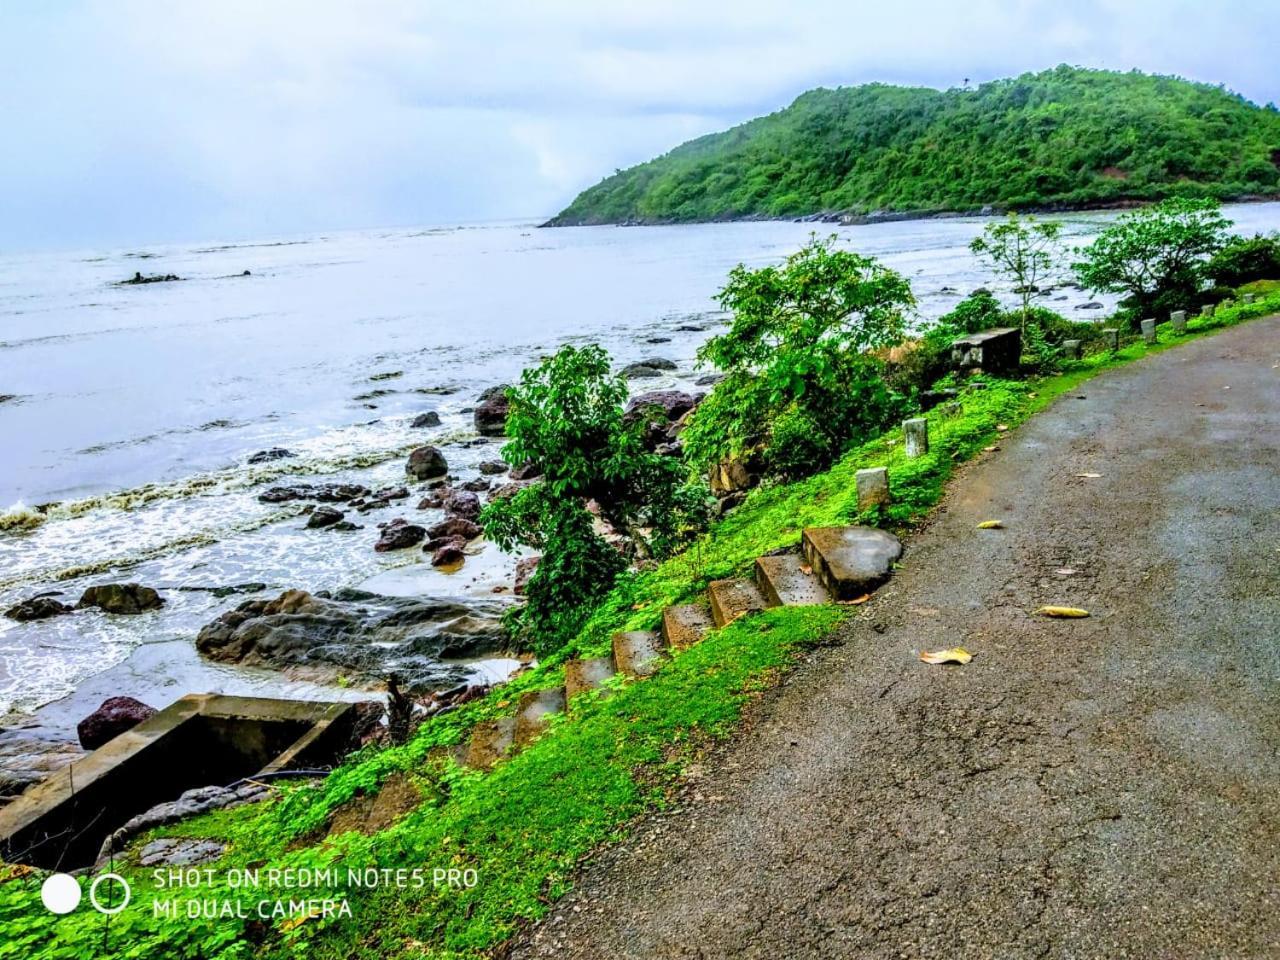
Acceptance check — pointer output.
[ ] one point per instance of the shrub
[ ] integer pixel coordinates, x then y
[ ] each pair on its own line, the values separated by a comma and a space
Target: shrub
1021, 249
1246, 259
978, 311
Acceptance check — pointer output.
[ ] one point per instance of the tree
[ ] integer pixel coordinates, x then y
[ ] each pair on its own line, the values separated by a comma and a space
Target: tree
566, 418
798, 359
1245, 259
1155, 256
1021, 249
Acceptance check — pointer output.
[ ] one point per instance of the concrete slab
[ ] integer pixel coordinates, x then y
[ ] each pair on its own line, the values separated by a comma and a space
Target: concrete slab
685, 625
850, 561
535, 708
731, 599
490, 742
639, 653
787, 581
582, 675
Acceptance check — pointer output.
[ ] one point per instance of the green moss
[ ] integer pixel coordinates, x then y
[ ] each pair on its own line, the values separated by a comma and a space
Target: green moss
524, 826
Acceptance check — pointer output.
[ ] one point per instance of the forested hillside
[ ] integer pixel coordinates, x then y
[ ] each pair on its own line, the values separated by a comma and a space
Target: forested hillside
1066, 137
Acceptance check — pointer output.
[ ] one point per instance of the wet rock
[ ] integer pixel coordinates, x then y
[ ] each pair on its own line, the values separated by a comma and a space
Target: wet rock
192, 803
433, 501
463, 504
525, 569
123, 598
426, 463
346, 526
526, 471
455, 527
507, 490
382, 498
36, 608
353, 631
478, 485
491, 410
491, 468
647, 369
436, 543
321, 493
428, 419
180, 852
709, 380
112, 718
27, 756
138, 278
1091, 305
669, 404
275, 453
449, 555
399, 534
324, 517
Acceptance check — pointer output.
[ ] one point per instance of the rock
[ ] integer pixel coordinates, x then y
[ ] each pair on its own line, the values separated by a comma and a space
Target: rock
156, 278
730, 502
657, 340
426, 463
125, 598
192, 803
659, 409
324, 517
730, 475
709, 380
463, 504
180, 852
266, 456
435, 543
647, 369
492, 468
391, 493
1091, 305
478, 485
36, 608
525, 569
526, 471
455, 527
433, 501
346, 526
399, 534
321, 493
112, 718
507, 490
360, 632
448, 555
27, 756
491, 410
428, 419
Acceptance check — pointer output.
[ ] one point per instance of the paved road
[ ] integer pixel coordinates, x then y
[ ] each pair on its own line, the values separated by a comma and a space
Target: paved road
1104, 788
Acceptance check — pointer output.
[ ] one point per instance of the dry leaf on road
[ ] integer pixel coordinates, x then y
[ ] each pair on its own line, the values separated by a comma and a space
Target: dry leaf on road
954, 655
991, 525
856, 600
1067, 613
1088, 476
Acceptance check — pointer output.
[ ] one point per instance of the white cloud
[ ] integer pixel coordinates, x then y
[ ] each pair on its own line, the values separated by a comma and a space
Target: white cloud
148, 119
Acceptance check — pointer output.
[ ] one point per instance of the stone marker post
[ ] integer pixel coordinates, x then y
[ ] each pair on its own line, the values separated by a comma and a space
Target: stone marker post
1206, 310
1149, 331
1178, 318
915, 436
873, 487
1113, 338
1249, 298
1071, 349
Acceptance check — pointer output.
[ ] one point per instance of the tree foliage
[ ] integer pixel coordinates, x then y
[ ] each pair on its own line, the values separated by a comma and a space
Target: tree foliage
1245, 259
567, 418
1063, 137
1156, 256
802, 379
1022, 250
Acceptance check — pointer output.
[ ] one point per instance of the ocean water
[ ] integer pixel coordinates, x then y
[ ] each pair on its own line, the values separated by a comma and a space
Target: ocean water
131, 411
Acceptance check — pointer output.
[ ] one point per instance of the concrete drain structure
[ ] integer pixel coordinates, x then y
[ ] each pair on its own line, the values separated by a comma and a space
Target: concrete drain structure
200, 740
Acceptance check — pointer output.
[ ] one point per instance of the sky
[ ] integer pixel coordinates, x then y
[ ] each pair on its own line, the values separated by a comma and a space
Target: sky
129, 121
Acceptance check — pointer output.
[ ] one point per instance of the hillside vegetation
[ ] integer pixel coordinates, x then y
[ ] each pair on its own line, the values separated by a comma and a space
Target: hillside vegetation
1066, 137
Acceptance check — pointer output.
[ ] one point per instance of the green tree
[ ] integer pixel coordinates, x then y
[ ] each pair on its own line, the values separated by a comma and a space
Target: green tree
1022, 250
1245, 259
566, 417
801, 378
1156, 256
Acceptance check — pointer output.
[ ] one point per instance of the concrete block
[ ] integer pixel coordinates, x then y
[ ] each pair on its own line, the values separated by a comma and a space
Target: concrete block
582, 675
639, 653
1249, 298
1149, 331
685, 625
872, 486
1178, 320
850, 561
1113, 338
1206, 310
785, 581
731, 599
915, 436
1071, 349
991, 351
535, 708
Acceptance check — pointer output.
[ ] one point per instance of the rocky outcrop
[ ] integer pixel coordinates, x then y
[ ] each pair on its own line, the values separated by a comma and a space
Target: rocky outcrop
319, 492
36, 608
455, 527
427, 463
267, 456
463, 503
491, 411
647, 369
662, 412
122, 598
428, 419
491, 468
360, 632
29, 755
324, 517
399, 534
114, 717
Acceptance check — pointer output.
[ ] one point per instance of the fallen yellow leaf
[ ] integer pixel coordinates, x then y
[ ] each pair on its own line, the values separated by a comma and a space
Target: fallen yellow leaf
856, 600
1088, 476
1001, 427
991, 525
1063, 612
954, 655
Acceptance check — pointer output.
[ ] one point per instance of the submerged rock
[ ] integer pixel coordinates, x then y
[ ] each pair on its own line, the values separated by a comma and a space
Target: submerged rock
122, 598
355, 631
398, 535
491, 410
36, 608
324, 517
477, 485
647, 369
428, 419
275, 453
427, 463
114, 717
321, 493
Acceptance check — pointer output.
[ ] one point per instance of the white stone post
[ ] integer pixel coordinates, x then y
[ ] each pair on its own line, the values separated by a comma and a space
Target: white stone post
1149, 331
915, 436
873, 487
1071, 349
1178, 319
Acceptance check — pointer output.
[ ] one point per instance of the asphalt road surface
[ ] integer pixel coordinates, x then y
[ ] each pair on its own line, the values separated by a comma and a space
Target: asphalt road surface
1098, 788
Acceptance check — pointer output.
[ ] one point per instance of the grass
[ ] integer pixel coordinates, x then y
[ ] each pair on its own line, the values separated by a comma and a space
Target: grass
525, 826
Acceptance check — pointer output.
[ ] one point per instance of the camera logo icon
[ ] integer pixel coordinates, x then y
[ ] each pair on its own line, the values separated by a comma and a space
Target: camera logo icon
60, 893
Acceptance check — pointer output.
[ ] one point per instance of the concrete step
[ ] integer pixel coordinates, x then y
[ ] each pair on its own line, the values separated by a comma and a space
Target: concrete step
490, 742
787, 581
850, 561
582, 675
639, 653
534, 709
685, 625
731, 599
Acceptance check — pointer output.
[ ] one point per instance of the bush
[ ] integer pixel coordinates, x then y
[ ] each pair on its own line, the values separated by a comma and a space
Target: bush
1246, 259
978, 311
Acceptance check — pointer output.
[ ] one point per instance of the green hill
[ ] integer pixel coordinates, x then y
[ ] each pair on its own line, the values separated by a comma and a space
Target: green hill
1064, 138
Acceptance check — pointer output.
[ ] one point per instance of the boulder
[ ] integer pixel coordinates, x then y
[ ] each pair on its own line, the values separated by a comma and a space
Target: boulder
671, 405
266, 456
455, 527
399, 534
112, 718
428, 419
353, 631
435, 543
526, 471
449, 555
477, 485
491, 411
324, 517
507, 490
525, 569
126, 598
463, 504
36, 608
491, 468
434, 500
29, 755
321, 493
426, 463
